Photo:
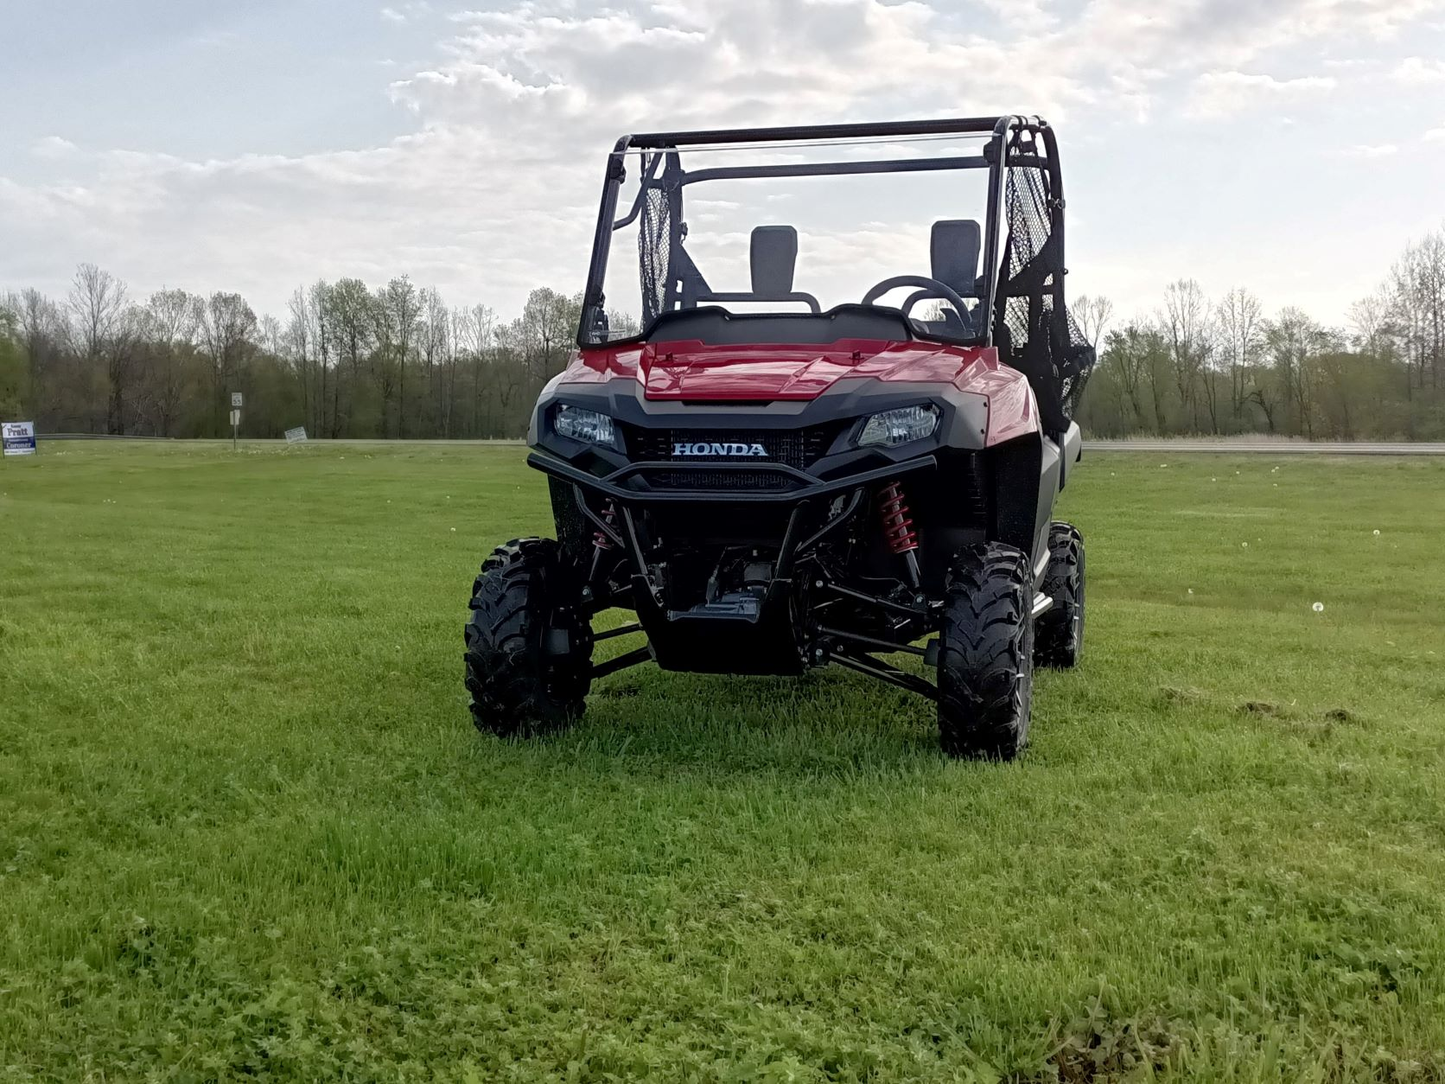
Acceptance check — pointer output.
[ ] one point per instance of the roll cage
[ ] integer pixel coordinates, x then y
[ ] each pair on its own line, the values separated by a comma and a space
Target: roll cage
1024, 313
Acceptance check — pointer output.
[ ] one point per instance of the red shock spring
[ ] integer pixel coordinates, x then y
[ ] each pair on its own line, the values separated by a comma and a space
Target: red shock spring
898, 529
599, 537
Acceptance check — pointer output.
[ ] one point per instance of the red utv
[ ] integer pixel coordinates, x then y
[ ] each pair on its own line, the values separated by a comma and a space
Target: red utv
772, 484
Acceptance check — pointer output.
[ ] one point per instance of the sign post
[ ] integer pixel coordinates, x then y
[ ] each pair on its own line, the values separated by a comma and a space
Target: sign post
17, 438
235, 417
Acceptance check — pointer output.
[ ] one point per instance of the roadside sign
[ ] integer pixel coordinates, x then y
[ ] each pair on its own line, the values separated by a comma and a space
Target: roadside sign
297, 435
18, 438
236, 399
235, 418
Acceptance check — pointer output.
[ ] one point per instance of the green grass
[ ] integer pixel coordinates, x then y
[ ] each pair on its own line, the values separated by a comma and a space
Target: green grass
246, 828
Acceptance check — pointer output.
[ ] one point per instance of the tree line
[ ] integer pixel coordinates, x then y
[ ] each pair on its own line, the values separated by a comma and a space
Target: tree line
344, 361
347, 360
1222, 366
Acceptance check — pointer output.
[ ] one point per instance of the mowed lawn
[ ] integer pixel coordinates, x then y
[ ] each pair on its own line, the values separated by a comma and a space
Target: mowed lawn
247, 828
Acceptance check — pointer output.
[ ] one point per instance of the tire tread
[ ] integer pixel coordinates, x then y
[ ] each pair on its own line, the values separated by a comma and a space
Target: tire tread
513, 690
985, 672
1059, 638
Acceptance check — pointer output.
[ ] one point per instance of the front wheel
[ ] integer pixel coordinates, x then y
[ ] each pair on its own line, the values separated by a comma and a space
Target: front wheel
528, 645
985, 667
1060, 638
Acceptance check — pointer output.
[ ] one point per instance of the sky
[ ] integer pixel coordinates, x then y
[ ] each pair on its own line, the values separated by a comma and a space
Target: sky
1293, 147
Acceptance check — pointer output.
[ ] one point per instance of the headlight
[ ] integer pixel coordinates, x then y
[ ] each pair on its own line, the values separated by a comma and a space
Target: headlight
588, 426
894, 427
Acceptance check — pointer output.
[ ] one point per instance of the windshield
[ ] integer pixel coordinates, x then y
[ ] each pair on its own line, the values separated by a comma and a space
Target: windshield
797, 228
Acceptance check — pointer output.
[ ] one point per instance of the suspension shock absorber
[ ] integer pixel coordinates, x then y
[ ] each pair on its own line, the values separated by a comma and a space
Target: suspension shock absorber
599, 536
898, 532
601, 543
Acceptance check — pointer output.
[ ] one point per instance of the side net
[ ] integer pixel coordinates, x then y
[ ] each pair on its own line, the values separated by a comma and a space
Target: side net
659, 234
1036, 330
654, 252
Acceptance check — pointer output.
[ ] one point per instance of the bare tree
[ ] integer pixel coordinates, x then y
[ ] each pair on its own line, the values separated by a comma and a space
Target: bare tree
1239, 331
395, 313
98, 312
476, 332
271, 335
1372, 319
13, 384
227, 325
544, 334
1092, 314
169, 323
300, 339
42, 332
1418, 287
1135, 355
1294, 340
438, 359
349, 313
321, 309
1185, 321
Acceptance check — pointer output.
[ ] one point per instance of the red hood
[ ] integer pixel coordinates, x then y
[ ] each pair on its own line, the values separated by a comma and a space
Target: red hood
698, 372
691, 370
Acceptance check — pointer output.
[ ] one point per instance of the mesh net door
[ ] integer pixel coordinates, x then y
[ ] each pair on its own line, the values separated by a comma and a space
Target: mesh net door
1035, 329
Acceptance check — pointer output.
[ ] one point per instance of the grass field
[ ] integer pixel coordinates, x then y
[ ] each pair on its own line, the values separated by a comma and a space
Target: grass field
247, 830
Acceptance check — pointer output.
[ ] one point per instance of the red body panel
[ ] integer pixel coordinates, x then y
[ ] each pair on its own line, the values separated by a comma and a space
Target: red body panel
766, 372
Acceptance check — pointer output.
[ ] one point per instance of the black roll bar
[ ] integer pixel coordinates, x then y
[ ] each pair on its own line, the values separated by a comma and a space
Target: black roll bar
835, 169
810, 132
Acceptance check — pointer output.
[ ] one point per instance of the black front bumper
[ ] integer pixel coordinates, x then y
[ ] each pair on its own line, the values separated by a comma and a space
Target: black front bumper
803, 486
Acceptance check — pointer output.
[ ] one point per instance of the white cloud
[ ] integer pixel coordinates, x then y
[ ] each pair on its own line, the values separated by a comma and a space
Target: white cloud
1184, 34
407, 12
1370, 150
1417, 71
52, 147
1226, 93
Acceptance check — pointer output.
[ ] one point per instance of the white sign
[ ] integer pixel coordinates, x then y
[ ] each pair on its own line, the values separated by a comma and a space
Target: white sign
235, 399
297, 435
235, 418
18, 438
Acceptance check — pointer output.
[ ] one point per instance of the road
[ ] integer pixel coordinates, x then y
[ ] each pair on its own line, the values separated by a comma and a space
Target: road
1266, 447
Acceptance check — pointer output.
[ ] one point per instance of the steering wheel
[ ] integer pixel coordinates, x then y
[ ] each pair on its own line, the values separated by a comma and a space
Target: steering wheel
933, 288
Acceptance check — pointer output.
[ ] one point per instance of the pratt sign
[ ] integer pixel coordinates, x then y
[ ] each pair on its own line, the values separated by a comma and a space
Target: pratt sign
18, 438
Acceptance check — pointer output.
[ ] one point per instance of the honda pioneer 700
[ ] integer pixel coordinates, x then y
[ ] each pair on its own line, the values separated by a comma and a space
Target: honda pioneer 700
773, 482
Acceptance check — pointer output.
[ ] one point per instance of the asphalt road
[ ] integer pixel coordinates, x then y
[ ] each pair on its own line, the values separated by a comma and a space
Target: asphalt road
1266, 447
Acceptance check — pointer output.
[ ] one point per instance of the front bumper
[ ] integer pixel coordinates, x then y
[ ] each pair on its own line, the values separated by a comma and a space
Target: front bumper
804, 486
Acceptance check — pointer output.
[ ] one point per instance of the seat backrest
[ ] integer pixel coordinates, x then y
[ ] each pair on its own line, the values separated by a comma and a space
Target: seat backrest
954, 248
774, 258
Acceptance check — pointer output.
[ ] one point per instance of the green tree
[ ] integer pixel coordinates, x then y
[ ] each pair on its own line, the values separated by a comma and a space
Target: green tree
12, 367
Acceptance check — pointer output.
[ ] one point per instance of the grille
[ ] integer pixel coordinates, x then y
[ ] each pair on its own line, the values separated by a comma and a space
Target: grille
792, 447
721, 479
798, 448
